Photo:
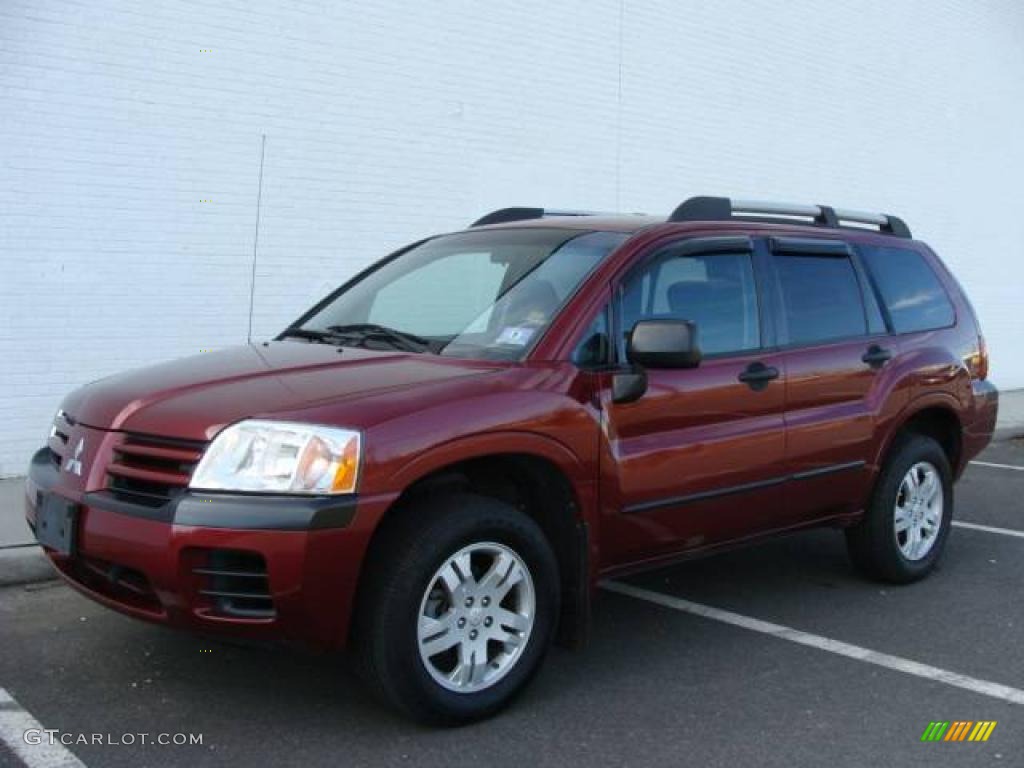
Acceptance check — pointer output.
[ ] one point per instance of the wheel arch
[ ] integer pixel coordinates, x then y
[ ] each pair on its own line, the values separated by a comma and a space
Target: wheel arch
936, 417
538, 476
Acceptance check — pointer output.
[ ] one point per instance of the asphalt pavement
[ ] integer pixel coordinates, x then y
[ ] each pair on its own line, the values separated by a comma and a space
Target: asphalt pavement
659, 685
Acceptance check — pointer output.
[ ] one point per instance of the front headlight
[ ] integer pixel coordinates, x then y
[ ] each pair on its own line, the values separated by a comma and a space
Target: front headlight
281, 457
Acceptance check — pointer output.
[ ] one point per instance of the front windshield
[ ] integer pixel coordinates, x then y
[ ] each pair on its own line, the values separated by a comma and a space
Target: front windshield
488, 294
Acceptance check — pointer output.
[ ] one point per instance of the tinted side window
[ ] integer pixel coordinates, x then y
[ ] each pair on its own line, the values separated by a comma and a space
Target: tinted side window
594, 348
716, 291
821, 298
910, 290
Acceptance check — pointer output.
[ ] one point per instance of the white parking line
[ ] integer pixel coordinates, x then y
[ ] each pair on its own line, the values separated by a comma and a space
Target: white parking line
997, 466
14, 722
897, 663
989, 529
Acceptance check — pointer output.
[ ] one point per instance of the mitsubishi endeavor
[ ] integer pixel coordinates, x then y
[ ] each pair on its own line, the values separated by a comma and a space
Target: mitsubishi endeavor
436, 464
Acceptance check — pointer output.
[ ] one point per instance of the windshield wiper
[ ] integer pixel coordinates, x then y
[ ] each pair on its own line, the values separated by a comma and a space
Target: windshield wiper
407, 342
322, 337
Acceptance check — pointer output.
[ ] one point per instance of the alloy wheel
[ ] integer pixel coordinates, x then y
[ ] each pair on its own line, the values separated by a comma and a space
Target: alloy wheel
918, 514
476, 617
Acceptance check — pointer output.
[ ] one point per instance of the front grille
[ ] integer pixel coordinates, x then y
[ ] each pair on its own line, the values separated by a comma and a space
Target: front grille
236, 584
57, 442
152, 470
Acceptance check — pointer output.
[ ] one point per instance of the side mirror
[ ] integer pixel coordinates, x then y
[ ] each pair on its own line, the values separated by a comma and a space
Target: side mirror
664, 344
628, 386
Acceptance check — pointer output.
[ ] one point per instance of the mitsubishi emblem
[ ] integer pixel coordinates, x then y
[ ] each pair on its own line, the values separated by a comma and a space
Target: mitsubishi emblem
74, 464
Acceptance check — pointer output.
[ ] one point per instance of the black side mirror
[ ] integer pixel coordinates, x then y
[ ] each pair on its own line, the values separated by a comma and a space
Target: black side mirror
664, 344
628, 386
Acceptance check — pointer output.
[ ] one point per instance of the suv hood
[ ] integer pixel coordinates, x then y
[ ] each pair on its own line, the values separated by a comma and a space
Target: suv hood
194, 397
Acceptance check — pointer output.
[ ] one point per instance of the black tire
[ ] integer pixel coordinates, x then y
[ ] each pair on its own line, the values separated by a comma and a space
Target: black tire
402, 565
872, 543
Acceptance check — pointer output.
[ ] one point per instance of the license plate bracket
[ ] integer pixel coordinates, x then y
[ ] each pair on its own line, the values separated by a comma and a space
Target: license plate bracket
57, 524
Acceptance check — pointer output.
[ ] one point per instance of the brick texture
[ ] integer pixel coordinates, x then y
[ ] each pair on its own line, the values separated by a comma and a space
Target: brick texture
130, 142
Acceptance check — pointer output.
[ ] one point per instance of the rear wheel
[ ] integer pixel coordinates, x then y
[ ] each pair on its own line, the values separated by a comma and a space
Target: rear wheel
459, 609
904, 530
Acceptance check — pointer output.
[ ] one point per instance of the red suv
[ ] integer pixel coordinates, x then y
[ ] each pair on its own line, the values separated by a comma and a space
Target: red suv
437, 463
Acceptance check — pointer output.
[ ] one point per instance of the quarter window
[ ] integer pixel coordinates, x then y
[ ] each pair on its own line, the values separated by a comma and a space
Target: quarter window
594, 348
909, 289
821, 298
715, 291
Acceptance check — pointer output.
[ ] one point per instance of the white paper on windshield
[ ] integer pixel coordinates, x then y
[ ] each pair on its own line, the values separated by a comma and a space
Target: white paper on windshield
515, 335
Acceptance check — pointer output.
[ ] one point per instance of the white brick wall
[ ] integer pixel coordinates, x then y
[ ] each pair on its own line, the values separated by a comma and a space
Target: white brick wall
386, 121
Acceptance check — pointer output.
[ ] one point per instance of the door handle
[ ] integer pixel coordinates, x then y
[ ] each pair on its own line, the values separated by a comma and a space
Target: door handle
757, 375
876, 357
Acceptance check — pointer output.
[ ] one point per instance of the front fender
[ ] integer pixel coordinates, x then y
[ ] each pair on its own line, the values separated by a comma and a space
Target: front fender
495, 443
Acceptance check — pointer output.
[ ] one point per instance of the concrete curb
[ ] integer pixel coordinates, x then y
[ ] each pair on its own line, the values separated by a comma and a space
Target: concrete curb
24, 565
1007, 433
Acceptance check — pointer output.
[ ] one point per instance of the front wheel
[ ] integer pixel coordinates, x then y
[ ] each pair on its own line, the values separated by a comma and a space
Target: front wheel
459, 609
905, 528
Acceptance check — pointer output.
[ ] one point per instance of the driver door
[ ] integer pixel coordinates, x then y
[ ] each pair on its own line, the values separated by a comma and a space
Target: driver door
699, 459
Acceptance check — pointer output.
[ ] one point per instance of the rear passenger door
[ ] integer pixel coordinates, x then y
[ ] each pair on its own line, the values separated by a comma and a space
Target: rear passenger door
836, 347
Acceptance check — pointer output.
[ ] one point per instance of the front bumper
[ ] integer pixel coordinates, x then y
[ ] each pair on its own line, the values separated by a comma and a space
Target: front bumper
267, 568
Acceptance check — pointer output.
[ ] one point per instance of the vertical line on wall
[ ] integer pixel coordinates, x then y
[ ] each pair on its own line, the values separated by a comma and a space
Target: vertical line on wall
618, 114
256, 237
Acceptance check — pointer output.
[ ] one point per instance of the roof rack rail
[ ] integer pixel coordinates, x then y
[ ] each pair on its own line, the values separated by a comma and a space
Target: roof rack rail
723, 209
503, 215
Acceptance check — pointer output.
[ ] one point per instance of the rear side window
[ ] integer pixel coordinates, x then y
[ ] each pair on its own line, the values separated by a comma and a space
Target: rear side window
821, 298
910, 290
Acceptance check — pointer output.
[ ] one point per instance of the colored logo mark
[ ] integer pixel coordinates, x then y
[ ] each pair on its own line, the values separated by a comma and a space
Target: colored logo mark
958, 730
